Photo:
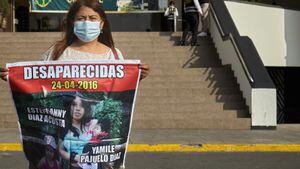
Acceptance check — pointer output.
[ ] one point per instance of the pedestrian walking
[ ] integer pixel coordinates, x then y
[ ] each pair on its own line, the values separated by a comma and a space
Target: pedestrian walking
192, 11
203, 26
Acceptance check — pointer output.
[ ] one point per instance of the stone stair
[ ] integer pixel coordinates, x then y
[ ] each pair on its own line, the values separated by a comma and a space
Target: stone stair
188, 88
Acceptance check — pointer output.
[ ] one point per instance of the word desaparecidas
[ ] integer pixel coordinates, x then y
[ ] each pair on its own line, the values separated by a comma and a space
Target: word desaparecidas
73, 71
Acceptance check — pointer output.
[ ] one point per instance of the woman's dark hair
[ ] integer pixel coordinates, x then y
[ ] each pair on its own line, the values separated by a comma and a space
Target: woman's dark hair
87, 117
171, 3
69, 37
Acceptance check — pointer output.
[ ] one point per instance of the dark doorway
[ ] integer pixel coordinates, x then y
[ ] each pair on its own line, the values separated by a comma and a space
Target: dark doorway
288, 92
22, 15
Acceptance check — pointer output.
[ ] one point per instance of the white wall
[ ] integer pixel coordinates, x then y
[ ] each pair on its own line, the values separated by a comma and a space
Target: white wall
263, 107
228, 55
262, 102
292, 36
274, 31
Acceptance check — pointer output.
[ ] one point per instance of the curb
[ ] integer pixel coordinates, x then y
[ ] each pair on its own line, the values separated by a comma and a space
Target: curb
215, 148
191, 148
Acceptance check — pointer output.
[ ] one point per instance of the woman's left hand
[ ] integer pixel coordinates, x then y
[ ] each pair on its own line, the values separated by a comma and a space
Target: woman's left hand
145, 70
3, 73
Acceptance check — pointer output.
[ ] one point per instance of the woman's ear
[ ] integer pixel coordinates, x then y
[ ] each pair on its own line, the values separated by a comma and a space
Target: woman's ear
102, 25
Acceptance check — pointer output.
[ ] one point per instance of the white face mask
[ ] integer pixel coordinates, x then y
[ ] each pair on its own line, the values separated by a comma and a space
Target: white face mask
87, 31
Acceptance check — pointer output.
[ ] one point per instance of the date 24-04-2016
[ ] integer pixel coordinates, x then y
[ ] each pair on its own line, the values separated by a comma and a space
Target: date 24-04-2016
65, 85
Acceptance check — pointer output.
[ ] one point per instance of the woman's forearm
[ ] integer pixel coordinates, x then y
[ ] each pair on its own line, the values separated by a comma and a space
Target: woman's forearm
64, 154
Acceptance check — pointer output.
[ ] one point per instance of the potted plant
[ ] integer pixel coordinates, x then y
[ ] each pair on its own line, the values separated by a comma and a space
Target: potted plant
3, 14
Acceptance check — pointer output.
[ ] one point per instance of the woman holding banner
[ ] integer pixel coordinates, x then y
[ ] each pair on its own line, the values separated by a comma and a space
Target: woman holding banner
87, 37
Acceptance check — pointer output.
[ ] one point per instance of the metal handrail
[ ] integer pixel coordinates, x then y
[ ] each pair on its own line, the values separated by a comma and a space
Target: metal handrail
217, 21
237, 50
245, 67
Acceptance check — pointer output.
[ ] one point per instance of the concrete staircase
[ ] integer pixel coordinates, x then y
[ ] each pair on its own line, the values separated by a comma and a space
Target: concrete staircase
188, 88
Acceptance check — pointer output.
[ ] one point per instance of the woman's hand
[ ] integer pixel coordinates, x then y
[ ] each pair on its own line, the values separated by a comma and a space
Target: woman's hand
3, 73
77, 158
145, 70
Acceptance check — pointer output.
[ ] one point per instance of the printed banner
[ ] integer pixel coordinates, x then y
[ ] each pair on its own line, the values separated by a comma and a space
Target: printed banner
74, 115
45, 6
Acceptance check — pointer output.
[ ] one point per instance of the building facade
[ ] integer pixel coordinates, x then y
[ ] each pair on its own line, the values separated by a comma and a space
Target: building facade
124, 15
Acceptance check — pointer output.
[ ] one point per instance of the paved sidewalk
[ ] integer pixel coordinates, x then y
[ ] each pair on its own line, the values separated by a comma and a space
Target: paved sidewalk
284, 134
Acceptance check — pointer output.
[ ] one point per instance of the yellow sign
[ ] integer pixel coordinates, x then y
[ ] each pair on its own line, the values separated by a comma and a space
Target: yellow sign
42, 3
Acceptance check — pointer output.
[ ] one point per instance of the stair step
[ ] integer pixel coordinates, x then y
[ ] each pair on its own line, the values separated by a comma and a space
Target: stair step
5, 95
159, 108
7, 108
191, 92
208, 71
114, 34
40, 47
121, 46
54, 39
157, 52
156, 48
167, 45
19, 58
13, 124
186, 85
6, 104
189, 99
29, 39
175, 78
118, 42
8, 117
162, 64
17, 45
59, 34
222, 78
216, 110
192, 71
187, 115
175, 96
30, 34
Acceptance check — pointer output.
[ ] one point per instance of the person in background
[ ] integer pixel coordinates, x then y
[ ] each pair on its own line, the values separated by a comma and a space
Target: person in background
204, 18
192, 11
171, 12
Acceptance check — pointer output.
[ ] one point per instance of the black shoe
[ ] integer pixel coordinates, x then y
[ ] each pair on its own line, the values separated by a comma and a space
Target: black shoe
194, 44
182, 43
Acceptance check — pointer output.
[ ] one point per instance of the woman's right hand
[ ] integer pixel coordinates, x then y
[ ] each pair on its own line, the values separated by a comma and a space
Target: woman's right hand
3, 73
